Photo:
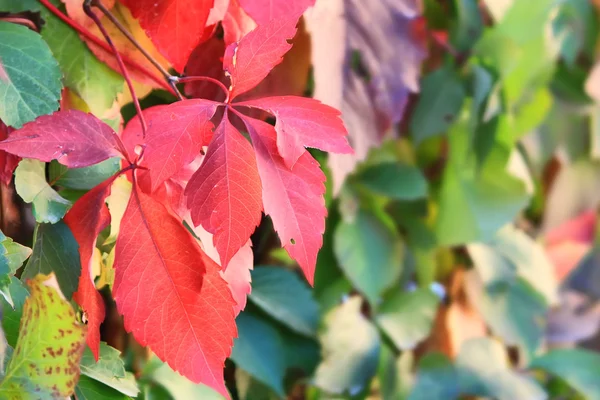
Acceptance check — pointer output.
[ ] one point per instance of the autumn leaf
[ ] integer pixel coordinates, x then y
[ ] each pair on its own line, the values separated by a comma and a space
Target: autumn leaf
175, 26
293, 198
263, 11
166, 287
224, 195
73, 138
8, 162
88, 217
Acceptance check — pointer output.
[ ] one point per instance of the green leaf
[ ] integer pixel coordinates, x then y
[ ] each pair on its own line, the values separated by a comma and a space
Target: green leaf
351, 347
12, 309
12, 255
468, 25
259, 350
437, 379
441, 98
82, 178
55, 250
579, 368
407, 317
370, 254
484, 371
30, 181
394, 374
511, 254
474, 203
281, 294
17, 6
50, 345
90, 389
394, 180
109, 370
180, 388
92, 80
30, 83
252, 389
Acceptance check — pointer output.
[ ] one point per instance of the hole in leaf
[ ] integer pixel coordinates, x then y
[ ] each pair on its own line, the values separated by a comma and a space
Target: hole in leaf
292, 241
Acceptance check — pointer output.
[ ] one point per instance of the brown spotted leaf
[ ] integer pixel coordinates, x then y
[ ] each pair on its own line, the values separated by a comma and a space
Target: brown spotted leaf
45, 362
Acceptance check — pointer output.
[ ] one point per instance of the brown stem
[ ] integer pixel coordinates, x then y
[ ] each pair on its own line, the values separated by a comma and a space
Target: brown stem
88, 35
168, 77
203, 78
88, 10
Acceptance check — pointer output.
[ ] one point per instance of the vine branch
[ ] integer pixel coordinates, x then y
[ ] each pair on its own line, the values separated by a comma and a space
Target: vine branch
203, 78
171, 80
88, 10
88, 35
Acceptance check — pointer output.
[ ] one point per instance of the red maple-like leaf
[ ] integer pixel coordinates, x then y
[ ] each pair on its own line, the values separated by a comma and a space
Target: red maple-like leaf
292, 197
224, 195
176, 134
86, 219
171, 294
73, 138
251, 59
176, 27
302, 122
236, 22
263, 11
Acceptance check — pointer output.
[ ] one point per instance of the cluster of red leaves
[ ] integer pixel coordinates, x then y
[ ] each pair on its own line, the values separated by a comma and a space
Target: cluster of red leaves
174, 298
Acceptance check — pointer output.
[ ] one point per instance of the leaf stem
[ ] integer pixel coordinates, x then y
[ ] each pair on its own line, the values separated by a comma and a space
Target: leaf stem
88, 10
88, 35
203, 78
168, 77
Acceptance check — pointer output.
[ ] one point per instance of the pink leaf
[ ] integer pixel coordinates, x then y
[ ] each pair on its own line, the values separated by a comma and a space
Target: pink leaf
303, 122
86, 219
251, 59
224, 195
176, 134
176, 27
236, 23
263, 11
74, 138
8, 162
238, 273
293, 198
171, 294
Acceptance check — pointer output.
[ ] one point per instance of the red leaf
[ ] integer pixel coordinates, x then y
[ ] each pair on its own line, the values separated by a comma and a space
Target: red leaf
251, 59
236, 22
86, 219
224, 195
176, 27
238, 273
171, 294
74, 138
292, 197
303, 122
263, 11
8, 162
176, 134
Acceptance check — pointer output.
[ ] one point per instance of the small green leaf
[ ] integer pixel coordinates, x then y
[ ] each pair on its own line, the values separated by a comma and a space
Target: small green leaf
90, 389
394, 180
55, 250
442, 95
484, 371
281, 294
51, 342
12, 255
109, 370
579, 368
351, 347
468, 25
30, 181
437, 379
92, 80
259, 350
82, 178
394, 373
407, 317
370, 254
17, 6
14, 296
30, 83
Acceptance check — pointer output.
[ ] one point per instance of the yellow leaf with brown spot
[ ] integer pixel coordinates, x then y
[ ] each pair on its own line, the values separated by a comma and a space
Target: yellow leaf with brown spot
45, 362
